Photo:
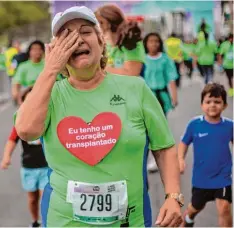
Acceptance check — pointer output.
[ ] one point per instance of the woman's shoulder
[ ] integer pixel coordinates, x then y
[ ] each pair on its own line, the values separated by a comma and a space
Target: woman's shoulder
127, 81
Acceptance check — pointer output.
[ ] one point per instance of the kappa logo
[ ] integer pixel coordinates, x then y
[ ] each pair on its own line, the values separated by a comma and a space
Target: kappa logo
117, 100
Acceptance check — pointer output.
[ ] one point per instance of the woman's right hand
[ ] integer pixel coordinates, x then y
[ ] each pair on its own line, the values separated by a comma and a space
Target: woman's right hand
58, 52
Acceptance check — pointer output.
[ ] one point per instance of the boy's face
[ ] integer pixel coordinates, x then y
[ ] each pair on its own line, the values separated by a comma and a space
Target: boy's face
213, 106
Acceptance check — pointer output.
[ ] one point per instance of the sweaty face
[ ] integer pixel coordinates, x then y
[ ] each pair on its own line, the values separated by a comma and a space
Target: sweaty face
89, 52
153, 44
213, 106
36, 52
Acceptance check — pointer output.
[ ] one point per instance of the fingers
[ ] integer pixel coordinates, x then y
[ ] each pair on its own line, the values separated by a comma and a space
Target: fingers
71, 42
167, 219
68, 40
176, 222
47, 49
160, 218
62, 37
73, 47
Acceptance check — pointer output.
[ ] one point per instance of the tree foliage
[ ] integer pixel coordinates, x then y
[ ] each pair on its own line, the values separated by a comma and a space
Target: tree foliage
17, 13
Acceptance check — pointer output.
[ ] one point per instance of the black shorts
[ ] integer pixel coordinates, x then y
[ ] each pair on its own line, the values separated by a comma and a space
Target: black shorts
201, 196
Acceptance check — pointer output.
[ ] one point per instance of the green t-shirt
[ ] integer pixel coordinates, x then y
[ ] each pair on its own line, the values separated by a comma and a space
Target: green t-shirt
206, 52
174, 48
142, 120
28, 72
159, 72
226, 49
188, 49
117, 57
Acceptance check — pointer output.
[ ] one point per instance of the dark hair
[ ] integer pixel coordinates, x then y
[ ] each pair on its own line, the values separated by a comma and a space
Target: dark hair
215, 90
36, 42
128, 33
230, 36
173, 35
203, 27
206, 35
26, 92
147, 38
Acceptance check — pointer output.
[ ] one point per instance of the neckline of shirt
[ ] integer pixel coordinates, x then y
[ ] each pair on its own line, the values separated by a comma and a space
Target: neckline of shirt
69, 86
155, 57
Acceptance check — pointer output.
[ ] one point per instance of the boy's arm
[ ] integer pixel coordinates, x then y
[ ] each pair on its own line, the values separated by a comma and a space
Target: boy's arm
9, 148
186, 139
182, 151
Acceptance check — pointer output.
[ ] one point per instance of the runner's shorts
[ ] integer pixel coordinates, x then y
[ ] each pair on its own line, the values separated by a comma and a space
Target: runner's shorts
201, 196
34, 179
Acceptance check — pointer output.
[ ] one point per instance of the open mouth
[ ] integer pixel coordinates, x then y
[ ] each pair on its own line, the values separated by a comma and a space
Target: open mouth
80, 53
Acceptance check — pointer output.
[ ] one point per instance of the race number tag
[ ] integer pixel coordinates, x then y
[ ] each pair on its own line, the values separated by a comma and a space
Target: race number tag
98, 204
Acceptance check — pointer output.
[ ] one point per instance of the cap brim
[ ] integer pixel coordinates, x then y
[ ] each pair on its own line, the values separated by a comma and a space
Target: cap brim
68, 17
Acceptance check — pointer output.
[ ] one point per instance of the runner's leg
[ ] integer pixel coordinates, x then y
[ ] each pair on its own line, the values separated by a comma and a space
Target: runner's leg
223, 198
33, 205
224, 213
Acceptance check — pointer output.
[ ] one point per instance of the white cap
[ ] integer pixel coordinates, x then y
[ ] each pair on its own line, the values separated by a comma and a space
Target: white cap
75, 12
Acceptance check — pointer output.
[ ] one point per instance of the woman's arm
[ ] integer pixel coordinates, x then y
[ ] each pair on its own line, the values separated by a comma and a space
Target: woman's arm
31, 116
30, 120
173, 89
130, 68
168, 165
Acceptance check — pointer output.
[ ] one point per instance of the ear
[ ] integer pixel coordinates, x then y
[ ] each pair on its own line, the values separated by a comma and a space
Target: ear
225, 106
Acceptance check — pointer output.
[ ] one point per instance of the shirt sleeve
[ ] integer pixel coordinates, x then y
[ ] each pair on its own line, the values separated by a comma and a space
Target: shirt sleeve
14, 136
159, 134
19, 76
222, 49
171, 72
137, 54
187, 138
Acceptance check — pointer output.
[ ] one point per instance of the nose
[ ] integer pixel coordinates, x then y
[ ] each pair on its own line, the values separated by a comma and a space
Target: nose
80, 40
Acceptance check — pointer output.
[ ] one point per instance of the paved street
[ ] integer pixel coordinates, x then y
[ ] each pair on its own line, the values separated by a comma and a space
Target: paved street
13, 205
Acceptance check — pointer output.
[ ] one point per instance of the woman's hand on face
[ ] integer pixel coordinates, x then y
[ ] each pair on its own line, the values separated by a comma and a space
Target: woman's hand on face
58, 52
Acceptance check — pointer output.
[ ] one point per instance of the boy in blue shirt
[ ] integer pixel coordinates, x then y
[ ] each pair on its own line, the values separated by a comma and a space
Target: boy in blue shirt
211, 135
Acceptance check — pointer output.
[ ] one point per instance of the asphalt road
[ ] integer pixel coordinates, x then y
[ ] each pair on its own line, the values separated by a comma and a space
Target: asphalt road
13, 204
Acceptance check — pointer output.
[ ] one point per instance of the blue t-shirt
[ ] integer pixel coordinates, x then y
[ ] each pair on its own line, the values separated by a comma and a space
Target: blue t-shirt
212, 167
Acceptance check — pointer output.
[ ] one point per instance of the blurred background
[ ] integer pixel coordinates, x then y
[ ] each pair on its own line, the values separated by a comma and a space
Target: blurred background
26, 21
29, 20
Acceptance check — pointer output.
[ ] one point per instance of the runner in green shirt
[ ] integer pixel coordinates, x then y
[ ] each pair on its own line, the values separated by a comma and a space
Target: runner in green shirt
188, 53
160, 75
205, 52
226, 59
160, 72
95, 128
125, 49
28, 71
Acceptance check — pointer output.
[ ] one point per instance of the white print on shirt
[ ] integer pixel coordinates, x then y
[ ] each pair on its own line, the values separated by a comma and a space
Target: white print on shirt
200, 135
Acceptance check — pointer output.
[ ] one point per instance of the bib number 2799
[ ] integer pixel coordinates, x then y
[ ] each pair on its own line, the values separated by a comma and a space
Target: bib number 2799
101, 202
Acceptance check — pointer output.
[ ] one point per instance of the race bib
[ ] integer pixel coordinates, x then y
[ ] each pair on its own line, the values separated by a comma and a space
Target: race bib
98, 204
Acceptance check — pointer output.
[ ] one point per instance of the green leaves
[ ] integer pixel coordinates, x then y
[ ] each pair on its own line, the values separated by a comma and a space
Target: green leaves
16, 13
